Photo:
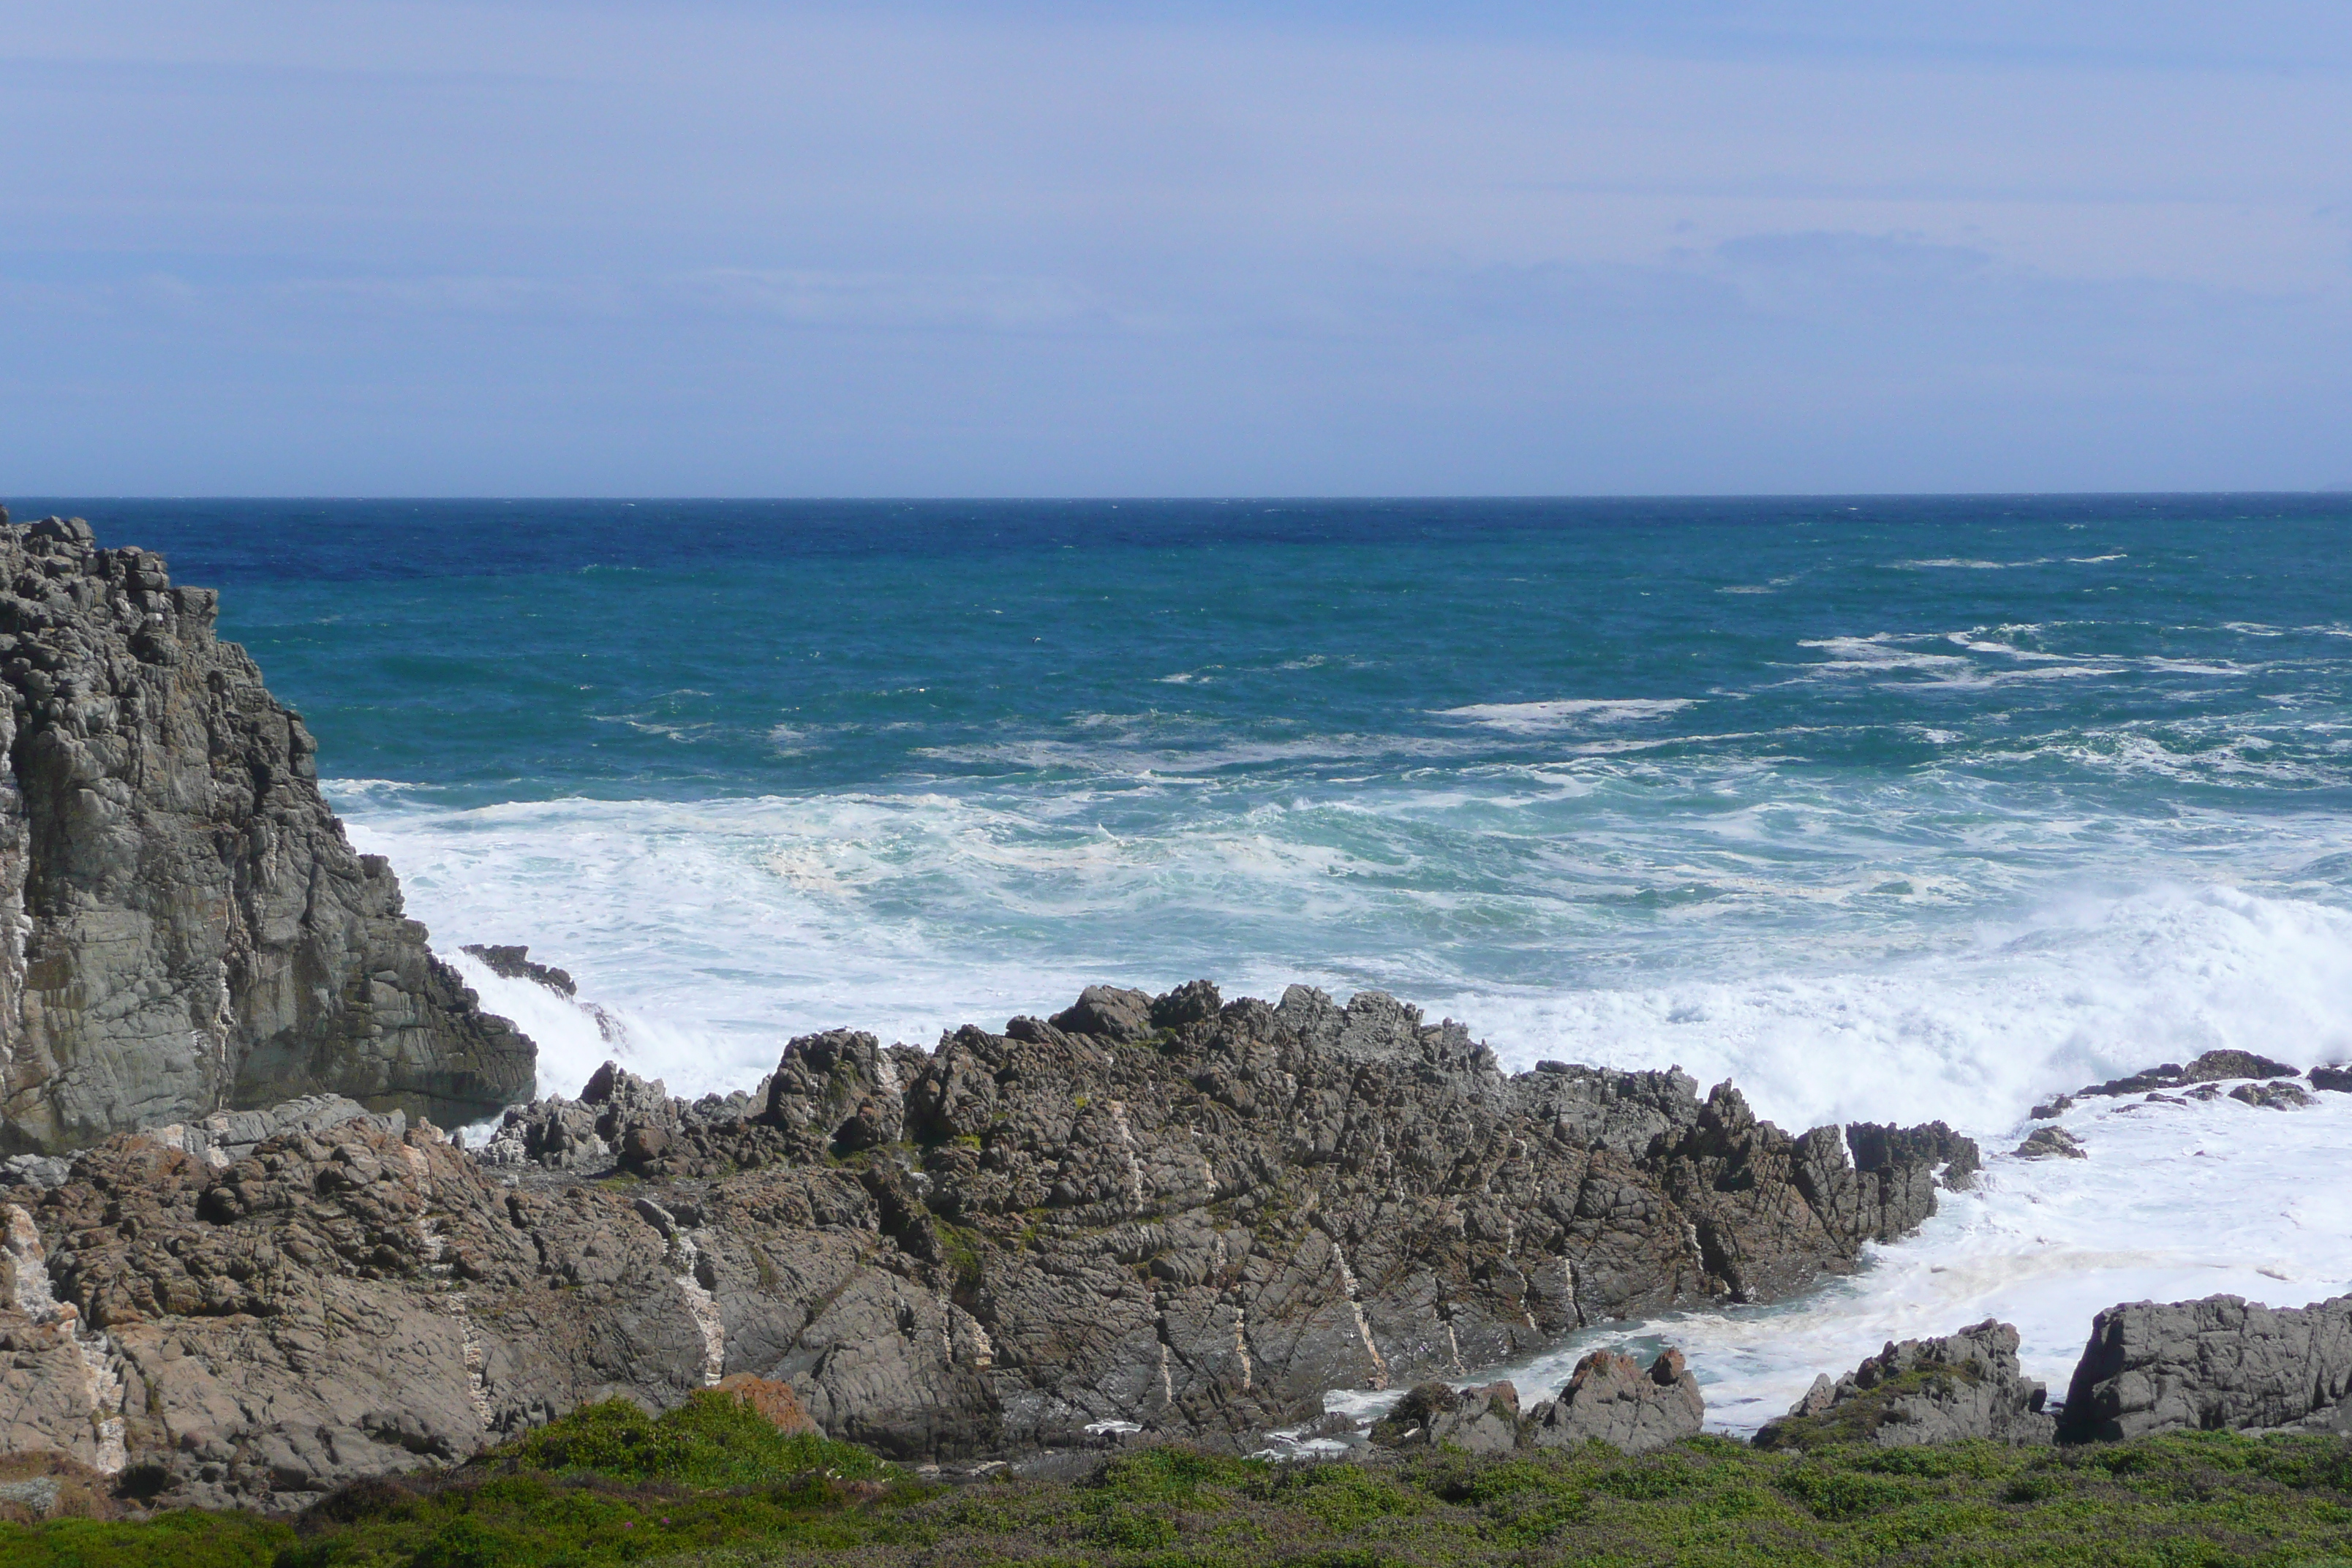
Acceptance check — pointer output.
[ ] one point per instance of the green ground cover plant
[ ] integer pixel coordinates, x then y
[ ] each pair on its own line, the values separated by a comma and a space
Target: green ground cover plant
711, 1485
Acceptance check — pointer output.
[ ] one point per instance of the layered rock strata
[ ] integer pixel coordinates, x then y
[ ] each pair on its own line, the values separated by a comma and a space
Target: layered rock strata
183, 927
1944, 1390
1169, 1214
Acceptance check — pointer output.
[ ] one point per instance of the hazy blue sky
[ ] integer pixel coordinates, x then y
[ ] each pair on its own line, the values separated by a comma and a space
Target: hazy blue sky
531, 247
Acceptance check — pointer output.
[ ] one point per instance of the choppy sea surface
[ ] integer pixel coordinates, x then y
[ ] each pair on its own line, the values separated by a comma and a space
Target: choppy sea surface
1883, 808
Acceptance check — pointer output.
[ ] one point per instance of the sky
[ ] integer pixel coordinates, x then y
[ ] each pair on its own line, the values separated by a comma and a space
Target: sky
713, 248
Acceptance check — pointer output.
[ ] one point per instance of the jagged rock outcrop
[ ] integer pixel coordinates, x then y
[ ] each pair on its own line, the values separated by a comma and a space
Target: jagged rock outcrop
2223, 1362
1197, 1217
1194, 1225
1615, 1399
183, 927
1943, 1390
515, 963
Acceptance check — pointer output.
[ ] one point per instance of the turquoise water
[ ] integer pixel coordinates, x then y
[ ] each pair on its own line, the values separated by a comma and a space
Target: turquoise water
1886, 807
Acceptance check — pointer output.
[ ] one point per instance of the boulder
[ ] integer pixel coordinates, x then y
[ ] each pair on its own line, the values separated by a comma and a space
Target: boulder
2339, 1078
188, 929
2051, 1142
1615, 1399
1962, 1386
2223, 1362
1108, 1012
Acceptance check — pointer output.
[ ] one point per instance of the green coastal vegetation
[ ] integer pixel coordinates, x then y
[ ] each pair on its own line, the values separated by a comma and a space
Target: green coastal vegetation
713, 1484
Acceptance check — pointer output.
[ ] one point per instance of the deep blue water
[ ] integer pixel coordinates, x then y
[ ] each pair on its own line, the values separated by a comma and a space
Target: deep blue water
1854, 797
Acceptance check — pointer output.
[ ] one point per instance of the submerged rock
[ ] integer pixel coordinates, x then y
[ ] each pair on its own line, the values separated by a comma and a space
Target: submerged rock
186, 928
1946, 1390
2214, 1067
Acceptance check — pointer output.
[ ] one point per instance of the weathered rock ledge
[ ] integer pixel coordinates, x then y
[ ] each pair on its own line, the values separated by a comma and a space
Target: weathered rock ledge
183, 927
1174, 1215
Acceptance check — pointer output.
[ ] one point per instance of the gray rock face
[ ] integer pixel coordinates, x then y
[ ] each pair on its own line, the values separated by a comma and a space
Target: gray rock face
2223, 1362
1965, 1385
1615, 1399
343, 1300
986, 1248
182, 926
1197, 1217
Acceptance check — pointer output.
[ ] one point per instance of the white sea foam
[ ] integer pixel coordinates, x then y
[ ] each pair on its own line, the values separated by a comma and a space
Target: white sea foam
1542, 718
1939, 951
2040, 1244
1959, 563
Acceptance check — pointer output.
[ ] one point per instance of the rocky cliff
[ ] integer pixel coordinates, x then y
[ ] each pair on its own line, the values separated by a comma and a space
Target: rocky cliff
1173, 1216
182, 926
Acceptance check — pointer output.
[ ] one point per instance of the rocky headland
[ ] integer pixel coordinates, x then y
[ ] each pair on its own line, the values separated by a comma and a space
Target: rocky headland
240, 1265
184, 927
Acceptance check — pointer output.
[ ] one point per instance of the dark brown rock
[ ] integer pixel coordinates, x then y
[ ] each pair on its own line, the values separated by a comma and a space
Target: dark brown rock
2214, 1067
515, 963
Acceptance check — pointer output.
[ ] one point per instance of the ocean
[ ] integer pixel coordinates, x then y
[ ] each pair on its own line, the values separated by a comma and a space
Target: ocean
1890, 809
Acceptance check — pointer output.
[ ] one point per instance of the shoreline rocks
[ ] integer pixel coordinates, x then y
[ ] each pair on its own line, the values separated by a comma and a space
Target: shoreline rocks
2223, 1362
1949, 1389
186, 929
1189, 1217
